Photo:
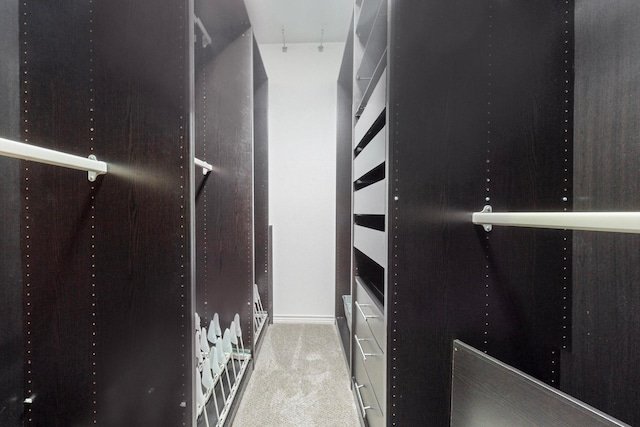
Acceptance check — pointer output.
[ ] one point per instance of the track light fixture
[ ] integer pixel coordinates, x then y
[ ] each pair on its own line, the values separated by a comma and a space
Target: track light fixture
284, 45
321, 48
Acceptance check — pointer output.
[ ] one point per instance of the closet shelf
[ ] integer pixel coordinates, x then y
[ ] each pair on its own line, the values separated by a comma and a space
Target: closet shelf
21, 150
366, 18
370, 82
369, 51
616, 222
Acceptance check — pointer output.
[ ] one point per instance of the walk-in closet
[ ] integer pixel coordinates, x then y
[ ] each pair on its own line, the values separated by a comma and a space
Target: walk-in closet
461, 122
341, 212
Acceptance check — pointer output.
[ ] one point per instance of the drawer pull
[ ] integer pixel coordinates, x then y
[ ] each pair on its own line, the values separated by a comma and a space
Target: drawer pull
365, 316
363, 409
364, 355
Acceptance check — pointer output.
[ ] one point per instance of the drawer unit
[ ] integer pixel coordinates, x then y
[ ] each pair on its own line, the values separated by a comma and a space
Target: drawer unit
366, 400
368, 353
369, 358
370, 189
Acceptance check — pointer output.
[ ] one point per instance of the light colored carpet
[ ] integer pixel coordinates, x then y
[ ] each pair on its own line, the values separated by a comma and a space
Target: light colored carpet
300, 379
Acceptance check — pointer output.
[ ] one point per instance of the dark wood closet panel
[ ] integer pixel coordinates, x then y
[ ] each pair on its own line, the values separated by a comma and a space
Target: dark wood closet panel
142, 122
475, 117
603, 369
261, 178
106, 265
528, 168
224, 213
58, 219
11, 375
478, 111
343, 190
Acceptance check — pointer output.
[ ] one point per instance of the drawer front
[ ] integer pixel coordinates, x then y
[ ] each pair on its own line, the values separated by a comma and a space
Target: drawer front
372, 155
365, 310
366, 401
376, 104
371, 200
372, 243
368, 353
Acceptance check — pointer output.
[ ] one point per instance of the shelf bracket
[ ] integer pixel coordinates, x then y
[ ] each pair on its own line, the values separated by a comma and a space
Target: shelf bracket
206, 167
206, 38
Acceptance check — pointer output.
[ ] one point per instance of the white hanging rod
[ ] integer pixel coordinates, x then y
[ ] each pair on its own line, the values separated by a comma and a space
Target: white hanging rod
20, 150
206, 38
616, 222
206, 167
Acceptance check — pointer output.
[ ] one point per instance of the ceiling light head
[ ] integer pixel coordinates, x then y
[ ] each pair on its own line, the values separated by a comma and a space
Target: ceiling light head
321, 48
284, 45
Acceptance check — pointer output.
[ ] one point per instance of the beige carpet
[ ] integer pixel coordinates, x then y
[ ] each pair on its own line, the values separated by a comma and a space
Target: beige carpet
300, 379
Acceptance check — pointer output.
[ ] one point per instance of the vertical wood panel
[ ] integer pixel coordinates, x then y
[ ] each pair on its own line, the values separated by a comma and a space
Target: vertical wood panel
529, 152
344, 130
11, 375
56, 216
224, 85
474, 95
602, 370
261, 176
144, 268
107, 284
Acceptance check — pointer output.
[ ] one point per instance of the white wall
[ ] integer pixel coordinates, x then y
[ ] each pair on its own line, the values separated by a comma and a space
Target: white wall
302, 166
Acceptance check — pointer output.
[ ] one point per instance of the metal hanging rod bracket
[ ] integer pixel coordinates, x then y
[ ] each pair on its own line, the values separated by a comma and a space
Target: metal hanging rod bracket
21, 150
615, 222
206, 38
206, 167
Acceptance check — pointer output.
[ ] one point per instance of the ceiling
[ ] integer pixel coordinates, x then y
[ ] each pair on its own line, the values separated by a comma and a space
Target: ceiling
303, 20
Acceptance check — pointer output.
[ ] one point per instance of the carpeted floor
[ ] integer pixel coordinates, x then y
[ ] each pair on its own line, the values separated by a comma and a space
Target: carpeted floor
300, 379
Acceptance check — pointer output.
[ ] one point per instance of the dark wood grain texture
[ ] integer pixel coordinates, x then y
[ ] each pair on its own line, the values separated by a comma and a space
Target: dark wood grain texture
57, 216
107, 310
11, 375
474, 104
487, 392
344, 126
224, 20
261, 177
224, 216
603, 367
144, 204
529, 160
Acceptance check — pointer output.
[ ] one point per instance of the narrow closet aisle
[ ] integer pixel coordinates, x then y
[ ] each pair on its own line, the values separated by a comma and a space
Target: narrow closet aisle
300, 376
300, 379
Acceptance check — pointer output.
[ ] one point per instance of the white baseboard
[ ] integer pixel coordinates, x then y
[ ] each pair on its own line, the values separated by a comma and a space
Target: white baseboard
290, 318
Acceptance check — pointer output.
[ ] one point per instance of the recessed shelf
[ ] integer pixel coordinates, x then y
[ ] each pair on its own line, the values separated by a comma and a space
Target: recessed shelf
373, 221
370, 133
371, 242
363, 91
366, 18
370, 274
374, 175
370, 52
373, 154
